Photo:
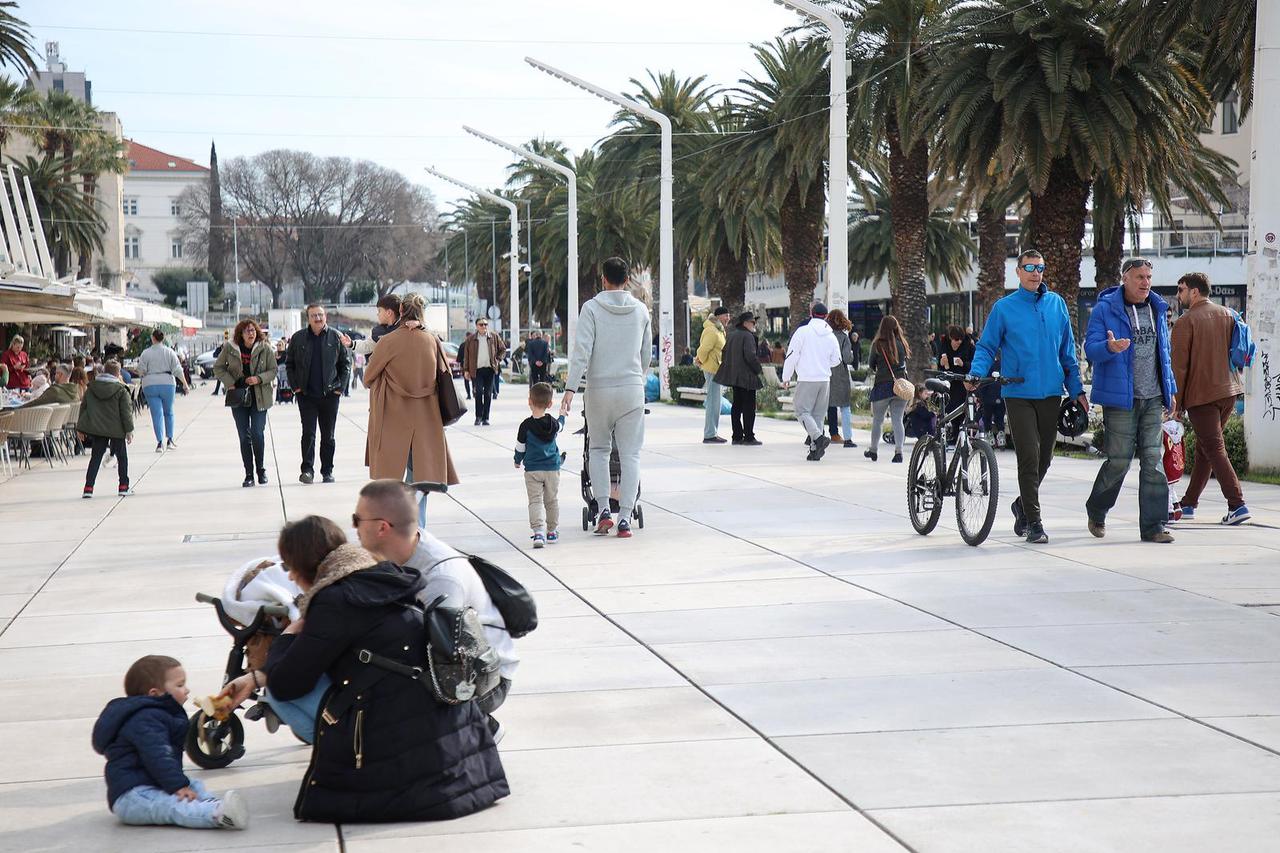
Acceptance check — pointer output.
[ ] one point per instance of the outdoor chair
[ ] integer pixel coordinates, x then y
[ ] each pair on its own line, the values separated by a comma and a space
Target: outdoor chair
26, 426
53, 444
5, 465
70, 436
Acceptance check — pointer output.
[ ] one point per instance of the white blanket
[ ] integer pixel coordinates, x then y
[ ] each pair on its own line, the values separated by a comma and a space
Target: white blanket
270, 586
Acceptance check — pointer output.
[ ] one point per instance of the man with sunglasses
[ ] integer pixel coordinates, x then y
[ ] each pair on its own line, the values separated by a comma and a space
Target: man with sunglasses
1030, 332
1128, 345
482, 353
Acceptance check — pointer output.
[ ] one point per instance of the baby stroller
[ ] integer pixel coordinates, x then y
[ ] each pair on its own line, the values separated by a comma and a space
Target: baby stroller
284, 393
256, 605
591, 509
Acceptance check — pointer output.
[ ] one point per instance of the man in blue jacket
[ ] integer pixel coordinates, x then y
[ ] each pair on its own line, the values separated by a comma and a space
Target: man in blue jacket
1128, 346
1030, 329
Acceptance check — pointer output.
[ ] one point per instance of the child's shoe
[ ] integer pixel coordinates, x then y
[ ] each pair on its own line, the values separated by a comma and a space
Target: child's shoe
539, 540
124, 491
1188, 513
553, 537
235, 812
1238, 515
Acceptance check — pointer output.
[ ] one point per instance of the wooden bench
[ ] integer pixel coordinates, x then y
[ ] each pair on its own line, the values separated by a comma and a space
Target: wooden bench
786, 402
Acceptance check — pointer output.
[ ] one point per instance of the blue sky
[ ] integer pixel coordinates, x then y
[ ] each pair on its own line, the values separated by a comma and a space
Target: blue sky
401, 80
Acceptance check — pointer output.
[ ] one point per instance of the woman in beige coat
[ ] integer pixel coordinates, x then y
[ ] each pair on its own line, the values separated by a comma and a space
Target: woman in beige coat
405, 429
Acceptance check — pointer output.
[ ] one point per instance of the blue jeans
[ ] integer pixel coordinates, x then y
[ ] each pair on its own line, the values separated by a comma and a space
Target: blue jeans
300, 714
422, 496
146, 805
160, 403
250, 424
711, 418
1130, 431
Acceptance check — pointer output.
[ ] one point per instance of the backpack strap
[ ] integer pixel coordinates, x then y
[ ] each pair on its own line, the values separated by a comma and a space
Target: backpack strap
342, 700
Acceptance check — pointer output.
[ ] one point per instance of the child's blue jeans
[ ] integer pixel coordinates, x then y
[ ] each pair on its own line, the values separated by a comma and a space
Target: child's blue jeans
300, 714
147, 805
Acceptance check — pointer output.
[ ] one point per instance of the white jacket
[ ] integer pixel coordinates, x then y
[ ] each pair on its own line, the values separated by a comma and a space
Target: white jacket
812, 353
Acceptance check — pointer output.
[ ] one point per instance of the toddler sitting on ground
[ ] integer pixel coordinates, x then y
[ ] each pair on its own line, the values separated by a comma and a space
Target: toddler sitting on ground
142, 734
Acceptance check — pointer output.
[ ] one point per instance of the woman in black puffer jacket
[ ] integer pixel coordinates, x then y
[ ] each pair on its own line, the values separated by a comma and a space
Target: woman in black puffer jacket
393, 753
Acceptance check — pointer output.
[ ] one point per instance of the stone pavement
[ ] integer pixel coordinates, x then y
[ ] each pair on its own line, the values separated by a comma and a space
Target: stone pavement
776, 662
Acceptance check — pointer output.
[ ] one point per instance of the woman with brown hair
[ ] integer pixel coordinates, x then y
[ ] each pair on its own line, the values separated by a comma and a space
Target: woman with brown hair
889, 354
840, 401
406, 432
246, 367
385, 750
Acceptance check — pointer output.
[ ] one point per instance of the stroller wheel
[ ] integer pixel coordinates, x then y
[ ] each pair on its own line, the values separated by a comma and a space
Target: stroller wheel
640, 517
586, 518
214, 744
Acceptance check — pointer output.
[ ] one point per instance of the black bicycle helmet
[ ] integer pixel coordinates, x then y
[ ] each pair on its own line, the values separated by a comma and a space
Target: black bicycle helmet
1072, 420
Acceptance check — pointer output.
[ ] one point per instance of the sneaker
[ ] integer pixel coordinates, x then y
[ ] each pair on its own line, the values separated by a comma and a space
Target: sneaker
124, 492
820, 445
850, 444
170, 445
715, 439
307, 477
1164, 537
159, 447
752, 442
897, 457
262, 476
477, 419
1188, 513
235, 811
1175, 512
248, 481
496, 729
553, 537
624, 529
539, 540
1019, 518
1036, 534
604, 523
327, 478
1098, 529
871, 454
1236, 516
88, 492
485, 422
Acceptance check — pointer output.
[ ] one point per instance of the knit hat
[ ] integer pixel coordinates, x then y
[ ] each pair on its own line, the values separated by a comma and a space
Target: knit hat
721, 311
818, 310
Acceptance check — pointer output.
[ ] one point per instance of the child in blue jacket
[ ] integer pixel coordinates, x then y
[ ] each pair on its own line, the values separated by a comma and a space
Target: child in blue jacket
142, 734
537, 451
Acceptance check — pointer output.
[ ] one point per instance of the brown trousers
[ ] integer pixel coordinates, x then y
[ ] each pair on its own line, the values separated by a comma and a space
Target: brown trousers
1211, 453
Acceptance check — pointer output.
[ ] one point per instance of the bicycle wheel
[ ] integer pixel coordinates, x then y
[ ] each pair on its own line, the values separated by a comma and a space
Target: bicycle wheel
977, 491
924, 486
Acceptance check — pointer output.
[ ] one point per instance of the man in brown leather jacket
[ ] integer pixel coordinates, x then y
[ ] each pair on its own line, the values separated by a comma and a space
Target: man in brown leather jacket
480, 366
1207, 391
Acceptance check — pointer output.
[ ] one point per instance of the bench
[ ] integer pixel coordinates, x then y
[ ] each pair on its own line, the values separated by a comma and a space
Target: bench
690, 393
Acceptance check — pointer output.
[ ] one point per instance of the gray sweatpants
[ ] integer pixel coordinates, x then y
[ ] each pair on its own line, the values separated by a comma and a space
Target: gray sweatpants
615, 415
810, 403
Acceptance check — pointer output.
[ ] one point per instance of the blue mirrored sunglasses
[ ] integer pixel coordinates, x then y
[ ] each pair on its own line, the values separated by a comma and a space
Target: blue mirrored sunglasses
1033, 267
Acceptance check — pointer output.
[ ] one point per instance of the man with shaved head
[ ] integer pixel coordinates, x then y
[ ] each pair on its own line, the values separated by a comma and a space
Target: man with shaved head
386, 522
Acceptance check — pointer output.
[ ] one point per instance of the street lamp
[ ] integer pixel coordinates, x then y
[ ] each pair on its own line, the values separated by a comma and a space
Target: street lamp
838, 156
666, 286
515, 246
571, 178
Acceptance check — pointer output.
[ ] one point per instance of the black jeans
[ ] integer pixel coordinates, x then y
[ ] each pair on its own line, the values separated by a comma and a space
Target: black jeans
250, 424
482, 387
538, 374
322, 411
1034, 424
743, 413
98, 447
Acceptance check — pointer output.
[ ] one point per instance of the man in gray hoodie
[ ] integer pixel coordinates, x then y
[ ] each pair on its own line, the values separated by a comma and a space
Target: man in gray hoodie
612, 352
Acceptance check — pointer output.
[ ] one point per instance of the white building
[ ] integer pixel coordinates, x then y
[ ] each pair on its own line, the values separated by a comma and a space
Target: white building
152, 217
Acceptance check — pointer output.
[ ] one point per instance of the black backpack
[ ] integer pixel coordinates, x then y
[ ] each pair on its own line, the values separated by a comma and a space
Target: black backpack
513, 601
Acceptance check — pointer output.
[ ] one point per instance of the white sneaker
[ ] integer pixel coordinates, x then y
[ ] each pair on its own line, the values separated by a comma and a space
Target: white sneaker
159, 447
235, 811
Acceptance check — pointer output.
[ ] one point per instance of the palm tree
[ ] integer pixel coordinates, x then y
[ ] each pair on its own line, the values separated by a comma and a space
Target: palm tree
15, 40
16, 104
72, 222
889, 114
782, 156
1222, 31
1033, 88
630, 161
873, 238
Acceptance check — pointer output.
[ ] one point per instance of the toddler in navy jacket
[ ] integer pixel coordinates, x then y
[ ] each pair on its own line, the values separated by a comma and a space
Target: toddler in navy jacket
142, 735
537, 451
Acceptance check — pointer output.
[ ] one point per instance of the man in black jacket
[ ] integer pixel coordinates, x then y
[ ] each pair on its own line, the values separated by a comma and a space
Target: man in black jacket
539, 354
319, 367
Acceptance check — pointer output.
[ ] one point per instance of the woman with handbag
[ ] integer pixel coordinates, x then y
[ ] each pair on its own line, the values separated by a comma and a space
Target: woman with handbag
892, 390
246, 367
408, 379
384, 748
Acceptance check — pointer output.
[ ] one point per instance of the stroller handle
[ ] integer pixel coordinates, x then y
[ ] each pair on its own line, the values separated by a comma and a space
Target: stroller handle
265, 609
426, 487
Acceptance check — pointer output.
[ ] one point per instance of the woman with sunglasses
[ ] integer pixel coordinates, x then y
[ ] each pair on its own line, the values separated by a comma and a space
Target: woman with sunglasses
1030, 330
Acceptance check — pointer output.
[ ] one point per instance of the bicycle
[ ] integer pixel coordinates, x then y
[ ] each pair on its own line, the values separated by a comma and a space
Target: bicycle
972, 476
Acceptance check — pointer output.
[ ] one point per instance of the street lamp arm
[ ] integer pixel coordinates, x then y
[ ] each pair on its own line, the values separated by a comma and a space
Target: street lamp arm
663, 120
510, 205
525, 153
821, 14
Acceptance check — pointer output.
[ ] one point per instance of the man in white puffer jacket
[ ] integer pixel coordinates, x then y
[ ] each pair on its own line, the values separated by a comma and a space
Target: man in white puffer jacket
812, 353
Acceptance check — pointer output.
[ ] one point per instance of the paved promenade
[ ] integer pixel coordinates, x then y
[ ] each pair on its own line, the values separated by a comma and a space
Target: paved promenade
776, 662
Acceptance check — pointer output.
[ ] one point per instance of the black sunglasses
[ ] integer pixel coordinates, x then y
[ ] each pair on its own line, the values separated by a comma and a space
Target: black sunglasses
1135, 263
355, 520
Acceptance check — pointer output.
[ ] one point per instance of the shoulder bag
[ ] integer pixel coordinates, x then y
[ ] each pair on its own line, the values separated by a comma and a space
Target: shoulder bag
451, 408
903, 388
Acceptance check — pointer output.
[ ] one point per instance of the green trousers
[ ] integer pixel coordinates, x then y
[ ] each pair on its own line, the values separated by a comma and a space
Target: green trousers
1034, 426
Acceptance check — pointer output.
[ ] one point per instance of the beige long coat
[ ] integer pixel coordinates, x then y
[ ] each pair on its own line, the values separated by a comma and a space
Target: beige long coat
403, 412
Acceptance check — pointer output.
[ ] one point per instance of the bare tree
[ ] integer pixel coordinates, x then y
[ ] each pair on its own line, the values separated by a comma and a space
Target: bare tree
405, 249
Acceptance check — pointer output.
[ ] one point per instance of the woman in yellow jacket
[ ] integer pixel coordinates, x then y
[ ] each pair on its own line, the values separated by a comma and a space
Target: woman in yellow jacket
710, 345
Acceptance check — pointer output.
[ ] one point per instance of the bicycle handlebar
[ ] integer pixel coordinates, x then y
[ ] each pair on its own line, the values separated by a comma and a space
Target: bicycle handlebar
993, 379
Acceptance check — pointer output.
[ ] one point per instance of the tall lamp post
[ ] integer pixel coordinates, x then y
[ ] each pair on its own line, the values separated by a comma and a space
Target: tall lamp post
515, 246
666, 263
838, 156
571, 178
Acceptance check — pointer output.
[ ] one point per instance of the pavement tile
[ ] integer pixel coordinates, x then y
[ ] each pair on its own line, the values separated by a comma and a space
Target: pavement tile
1200, 689
1264, 731
908, 585
780, 620
1006, 764
699, 596
1240, 641
1079, 608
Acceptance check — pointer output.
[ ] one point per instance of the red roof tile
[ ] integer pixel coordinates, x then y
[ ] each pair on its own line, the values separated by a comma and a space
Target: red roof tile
144, 159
